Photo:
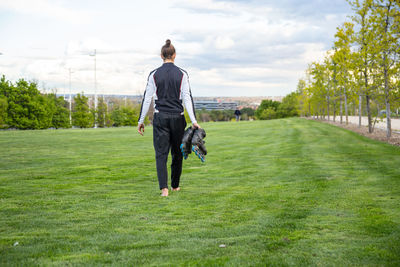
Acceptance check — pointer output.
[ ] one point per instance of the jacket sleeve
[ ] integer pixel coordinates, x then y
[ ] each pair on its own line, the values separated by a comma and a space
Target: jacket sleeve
148, 95
187, 98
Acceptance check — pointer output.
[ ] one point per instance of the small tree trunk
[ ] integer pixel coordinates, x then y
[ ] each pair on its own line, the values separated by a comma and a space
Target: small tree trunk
359, 110
345, 107
341, 110
376, 118
334, 111
387, 103
328, 107
388, 118
367, 98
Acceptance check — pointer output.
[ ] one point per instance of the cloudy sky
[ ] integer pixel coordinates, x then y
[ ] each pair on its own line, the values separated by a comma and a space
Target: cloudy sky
229, 48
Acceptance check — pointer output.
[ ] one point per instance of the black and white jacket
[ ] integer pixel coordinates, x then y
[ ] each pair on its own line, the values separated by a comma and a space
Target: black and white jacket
170, 87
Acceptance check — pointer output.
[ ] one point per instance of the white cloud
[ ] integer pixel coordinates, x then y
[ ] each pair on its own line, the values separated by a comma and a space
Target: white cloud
331, 17
46, 8
314, 52
86, 46
208, 6
224, 42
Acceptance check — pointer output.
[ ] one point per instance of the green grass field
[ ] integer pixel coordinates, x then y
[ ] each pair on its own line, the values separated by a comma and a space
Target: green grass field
281, 192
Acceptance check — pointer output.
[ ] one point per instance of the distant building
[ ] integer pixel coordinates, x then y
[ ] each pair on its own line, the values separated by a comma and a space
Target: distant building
228, 105
214, 105
207, 105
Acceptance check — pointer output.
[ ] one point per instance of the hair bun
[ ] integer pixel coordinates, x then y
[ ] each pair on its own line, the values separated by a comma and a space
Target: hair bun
168, 50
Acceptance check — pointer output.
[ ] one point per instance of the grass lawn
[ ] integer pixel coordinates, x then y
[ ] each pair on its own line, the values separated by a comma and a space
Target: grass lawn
281, 192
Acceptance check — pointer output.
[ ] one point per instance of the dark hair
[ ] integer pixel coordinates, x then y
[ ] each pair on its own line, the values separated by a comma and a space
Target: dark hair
168, 50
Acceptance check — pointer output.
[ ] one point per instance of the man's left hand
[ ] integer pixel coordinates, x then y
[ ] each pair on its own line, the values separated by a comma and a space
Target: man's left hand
140, 128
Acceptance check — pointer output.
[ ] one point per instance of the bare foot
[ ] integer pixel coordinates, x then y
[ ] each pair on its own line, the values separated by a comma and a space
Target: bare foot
164, 192
176, 189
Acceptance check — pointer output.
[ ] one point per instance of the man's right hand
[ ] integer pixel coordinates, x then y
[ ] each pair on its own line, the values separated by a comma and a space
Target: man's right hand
196, 125
140, 128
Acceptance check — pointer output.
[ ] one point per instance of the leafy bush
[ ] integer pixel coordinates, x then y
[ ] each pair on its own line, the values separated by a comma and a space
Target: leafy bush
82, 117
247, 112
267, 110
270, 109
268, 114
60, 117
26, 107
125, 116
288, 107
3, 111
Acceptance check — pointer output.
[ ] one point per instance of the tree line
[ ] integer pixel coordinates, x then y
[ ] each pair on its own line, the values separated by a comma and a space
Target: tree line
267, 110
23, 106
361, 73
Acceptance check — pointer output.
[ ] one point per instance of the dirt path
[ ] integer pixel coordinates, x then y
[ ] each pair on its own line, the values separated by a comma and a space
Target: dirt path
381, 124
378, 134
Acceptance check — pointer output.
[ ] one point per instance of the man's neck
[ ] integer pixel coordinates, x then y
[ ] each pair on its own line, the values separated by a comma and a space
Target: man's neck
168, 61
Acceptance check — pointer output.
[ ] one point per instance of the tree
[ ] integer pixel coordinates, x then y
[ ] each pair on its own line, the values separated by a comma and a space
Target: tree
3, 111
81, 116
288, 107
302, 98
60, 117
365, 57
102, 118
132, 116
125, 116
342, 57
271, 105
328, 68
319, 87
247, 113
386, 28
27, 108
4, 91
267, 114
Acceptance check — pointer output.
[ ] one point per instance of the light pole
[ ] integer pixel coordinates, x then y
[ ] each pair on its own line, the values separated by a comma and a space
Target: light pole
95, 90
104, 112
70, 98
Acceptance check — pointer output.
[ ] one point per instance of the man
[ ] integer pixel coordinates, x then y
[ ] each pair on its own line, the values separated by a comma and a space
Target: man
237, 114
170, 87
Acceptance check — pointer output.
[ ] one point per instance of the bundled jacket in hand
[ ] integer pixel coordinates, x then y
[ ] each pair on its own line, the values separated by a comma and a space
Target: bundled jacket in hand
193, 141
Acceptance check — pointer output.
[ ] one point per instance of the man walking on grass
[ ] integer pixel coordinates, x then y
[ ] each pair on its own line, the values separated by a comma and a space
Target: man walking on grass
170, 87
237, 114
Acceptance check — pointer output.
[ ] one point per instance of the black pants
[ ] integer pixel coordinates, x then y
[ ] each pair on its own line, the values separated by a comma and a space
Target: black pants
168, 131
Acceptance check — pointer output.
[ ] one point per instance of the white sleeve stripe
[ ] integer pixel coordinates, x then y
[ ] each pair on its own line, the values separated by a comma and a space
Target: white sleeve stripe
180, 89
148, 95
187, 97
